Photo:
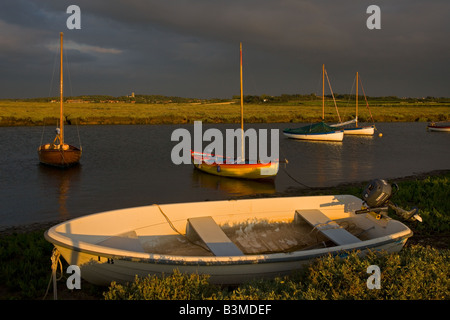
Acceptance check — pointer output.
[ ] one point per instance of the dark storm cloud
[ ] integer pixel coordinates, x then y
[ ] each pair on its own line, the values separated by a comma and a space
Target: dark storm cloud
190, 47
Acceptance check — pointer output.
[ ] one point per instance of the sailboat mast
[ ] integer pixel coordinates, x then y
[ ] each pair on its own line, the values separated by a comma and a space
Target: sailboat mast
242, 105
61, 120
356, 123
323, 92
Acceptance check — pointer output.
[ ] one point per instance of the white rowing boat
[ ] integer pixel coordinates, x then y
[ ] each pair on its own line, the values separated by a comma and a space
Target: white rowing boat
232, 241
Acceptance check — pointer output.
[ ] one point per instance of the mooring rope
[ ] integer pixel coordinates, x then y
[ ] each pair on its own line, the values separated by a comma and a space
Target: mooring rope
55, 258
288, 174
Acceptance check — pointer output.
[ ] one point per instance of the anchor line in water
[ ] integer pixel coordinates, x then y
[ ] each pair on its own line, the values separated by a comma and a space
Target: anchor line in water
289, 175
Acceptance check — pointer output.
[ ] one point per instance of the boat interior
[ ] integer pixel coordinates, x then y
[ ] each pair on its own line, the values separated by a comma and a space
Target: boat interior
234, 235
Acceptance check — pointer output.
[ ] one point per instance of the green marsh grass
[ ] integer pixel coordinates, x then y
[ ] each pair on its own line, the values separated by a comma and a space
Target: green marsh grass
24, 263
40, 113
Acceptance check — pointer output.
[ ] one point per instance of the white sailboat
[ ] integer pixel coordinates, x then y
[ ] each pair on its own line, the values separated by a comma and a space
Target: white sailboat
356, 130
317, 131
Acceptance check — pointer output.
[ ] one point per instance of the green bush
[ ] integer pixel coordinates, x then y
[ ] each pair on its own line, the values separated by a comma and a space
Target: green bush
414, 273
431, 196
25, 264
174, 287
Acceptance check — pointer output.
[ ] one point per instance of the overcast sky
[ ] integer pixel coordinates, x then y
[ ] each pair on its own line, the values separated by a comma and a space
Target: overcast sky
190, 48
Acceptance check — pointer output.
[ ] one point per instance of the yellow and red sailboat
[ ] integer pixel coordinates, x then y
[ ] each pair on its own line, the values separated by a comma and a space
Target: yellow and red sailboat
233, 168
58, 153
222, 166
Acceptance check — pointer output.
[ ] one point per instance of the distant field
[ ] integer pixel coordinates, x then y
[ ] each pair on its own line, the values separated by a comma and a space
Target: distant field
14, 113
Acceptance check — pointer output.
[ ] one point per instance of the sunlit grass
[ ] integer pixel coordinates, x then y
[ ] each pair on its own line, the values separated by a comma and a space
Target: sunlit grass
39, 113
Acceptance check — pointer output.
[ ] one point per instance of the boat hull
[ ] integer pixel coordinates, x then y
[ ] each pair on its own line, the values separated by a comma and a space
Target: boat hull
59, 157
235, 170
369, 130
439, 128
91, 242
101, 269
327, 136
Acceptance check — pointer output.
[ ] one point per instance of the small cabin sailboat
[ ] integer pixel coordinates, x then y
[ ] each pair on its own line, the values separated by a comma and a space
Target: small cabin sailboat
318, 131
365, 130
234, 168
58, 153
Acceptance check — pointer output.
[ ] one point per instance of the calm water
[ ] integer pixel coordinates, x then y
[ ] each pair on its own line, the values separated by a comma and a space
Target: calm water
127, 166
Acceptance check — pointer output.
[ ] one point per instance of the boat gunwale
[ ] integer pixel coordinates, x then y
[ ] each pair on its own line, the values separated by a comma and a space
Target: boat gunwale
71, 147
197, 157
299, 255
312, 133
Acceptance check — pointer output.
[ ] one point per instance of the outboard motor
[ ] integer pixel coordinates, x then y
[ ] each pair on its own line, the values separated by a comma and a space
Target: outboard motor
377, 195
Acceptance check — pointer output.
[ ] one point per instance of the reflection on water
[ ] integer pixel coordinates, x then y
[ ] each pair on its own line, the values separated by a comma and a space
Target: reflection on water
57, 182
231, 186
326, 157
116, 172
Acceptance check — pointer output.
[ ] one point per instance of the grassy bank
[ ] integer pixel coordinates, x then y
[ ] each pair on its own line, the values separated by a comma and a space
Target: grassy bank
24, 113
419, 271
415, 273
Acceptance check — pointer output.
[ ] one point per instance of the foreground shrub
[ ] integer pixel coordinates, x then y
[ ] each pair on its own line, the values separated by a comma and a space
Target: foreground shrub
174, 287
414, 273
25, 265
431, 196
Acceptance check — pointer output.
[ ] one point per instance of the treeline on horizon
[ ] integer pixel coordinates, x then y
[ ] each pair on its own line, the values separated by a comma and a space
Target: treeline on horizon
250, 99
290, 98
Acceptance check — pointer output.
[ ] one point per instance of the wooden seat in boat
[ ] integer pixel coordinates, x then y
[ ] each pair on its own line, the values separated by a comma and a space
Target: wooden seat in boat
126, 241
212, 235
328, 227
